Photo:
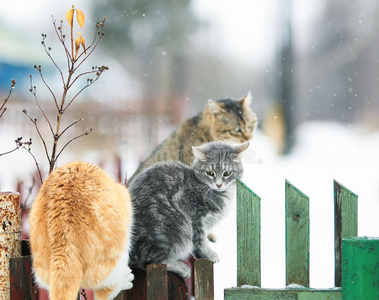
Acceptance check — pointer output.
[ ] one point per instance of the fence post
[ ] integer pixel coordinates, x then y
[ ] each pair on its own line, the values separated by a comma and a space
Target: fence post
360, 268
204, 287
10, 237
297, 236
157, 282
248, 236
345, 223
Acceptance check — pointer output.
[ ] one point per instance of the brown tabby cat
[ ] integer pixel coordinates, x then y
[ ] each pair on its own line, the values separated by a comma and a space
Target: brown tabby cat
227, 120
79, 233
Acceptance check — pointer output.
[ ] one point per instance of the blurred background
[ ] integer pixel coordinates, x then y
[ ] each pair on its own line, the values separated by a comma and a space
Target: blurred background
312, 69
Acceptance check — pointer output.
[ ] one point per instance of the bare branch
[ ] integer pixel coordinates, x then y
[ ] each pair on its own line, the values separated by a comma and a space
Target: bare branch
99, 33
19, 144
80, 75
30, 190
2, 108
76, 121
99, 71
39, 133
73, 139
33, 91
48, 87
1, 154
62, 40
47, 50
36, 162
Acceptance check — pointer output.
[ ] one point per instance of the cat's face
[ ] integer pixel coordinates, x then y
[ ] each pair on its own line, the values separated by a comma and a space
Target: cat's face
218, 164
232, 121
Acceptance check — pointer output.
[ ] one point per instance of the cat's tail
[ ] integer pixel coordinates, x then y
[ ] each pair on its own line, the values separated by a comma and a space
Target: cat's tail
65, 276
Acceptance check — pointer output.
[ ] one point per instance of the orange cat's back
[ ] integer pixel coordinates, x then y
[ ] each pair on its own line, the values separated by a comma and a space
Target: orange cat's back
79, 233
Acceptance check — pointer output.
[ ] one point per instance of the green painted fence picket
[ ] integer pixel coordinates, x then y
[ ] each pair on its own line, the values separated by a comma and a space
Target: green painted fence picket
297, 244
248, 236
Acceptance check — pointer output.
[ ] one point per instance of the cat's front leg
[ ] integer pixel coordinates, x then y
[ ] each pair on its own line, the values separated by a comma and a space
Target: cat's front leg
179, 268
202, 249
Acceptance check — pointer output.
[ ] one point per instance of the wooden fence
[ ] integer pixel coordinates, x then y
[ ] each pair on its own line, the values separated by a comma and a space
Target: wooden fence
356, 259
153, 284
16, 280
297, 248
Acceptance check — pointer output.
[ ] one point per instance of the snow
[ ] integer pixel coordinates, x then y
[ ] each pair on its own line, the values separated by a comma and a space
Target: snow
324, 151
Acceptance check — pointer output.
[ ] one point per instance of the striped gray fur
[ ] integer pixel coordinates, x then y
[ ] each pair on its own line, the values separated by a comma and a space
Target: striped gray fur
175, 206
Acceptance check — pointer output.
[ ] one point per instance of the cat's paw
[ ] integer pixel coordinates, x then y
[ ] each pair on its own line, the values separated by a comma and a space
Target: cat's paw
179, 268
212, 256
128, 279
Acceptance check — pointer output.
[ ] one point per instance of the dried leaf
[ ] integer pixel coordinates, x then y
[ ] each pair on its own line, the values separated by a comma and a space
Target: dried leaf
78, 42
70, 16
80, 17
83, 42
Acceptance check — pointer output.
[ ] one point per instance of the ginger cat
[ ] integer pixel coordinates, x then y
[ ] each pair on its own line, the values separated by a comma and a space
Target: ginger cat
80, 228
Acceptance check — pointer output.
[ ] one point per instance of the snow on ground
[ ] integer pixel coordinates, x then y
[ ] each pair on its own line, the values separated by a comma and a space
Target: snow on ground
324, 151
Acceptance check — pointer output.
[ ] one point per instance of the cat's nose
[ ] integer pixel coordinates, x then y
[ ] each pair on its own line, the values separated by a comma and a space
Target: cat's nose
219, 185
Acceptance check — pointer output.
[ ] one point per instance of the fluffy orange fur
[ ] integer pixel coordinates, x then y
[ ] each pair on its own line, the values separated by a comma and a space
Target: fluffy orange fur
79, 233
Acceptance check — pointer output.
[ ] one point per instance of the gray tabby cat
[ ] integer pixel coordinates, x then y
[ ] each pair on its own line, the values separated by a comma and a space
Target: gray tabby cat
175, 206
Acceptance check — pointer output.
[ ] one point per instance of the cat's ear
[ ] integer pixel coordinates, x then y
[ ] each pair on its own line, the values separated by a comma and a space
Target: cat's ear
246, 100
239, 149
199, 152
214, 106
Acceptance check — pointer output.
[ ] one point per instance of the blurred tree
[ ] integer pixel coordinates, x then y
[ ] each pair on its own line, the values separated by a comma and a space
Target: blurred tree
339, 69
284, 121
150, 38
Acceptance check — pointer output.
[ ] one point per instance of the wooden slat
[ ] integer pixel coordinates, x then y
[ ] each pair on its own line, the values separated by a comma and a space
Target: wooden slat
360, 268
157, 282
204, 286
21, 279
139, 286
320, 295
282, 294
297, 236
176, 286
345, 223
248, 236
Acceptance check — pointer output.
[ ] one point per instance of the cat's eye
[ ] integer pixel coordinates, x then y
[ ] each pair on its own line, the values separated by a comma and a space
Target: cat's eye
237, 129
227, 173
211, 173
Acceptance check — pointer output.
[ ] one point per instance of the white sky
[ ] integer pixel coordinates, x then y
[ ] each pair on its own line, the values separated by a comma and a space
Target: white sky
244, 30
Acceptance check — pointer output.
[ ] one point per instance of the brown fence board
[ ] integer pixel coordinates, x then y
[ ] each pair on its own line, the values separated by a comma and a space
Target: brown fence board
20, 269
204, 285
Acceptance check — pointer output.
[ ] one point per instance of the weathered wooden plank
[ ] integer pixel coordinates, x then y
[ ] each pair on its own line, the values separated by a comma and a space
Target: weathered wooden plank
10, 238
282, 294
360, 268
345, 223
297, 236
21, 281
157, 282
335, 294
176, 286
139, 286
258, 294
248, 236
204, 286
